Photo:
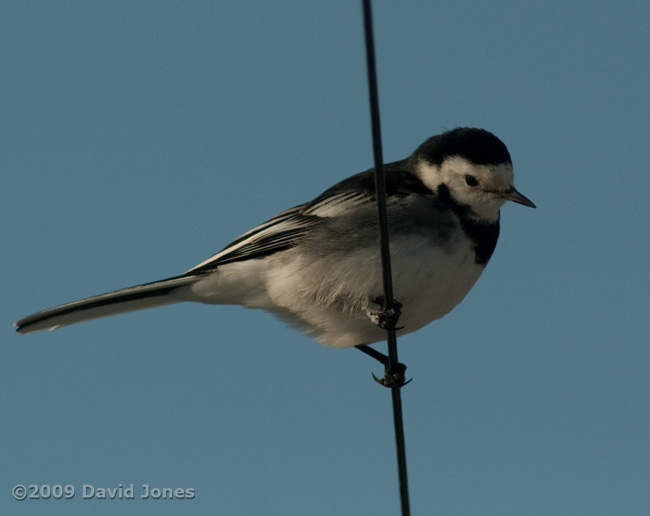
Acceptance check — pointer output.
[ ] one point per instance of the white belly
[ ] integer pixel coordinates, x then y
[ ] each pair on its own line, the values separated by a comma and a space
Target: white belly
329, 299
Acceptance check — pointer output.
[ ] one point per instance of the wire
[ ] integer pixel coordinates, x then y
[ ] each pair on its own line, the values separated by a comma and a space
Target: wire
388, 301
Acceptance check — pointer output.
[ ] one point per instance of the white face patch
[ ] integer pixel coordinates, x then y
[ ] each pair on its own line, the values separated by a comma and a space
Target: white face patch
481, 187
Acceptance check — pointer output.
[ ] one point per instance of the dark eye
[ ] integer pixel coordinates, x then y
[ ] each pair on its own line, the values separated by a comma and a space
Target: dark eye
471, 180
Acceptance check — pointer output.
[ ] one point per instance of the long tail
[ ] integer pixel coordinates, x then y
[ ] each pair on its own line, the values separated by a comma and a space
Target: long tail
158, 293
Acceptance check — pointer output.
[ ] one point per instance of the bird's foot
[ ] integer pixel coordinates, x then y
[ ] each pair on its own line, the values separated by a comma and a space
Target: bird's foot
390, 379
385, 318
394, 379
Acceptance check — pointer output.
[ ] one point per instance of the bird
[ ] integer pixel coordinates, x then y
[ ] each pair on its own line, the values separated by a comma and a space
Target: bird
317, 266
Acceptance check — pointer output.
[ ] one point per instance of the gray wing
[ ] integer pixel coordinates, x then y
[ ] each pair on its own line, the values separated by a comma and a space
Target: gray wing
343, 200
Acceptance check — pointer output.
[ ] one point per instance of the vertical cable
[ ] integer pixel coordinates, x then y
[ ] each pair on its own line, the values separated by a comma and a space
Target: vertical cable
389, 302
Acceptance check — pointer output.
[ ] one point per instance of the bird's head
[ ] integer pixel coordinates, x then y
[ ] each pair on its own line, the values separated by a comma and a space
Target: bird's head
472, 167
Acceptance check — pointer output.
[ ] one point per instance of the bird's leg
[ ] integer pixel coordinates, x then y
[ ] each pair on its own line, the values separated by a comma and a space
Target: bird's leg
390, 379
372, 352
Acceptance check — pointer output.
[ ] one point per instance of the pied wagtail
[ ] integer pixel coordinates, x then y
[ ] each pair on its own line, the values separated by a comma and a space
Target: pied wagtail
318, 266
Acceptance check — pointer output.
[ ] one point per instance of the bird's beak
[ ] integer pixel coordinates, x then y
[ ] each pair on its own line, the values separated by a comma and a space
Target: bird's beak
513, 195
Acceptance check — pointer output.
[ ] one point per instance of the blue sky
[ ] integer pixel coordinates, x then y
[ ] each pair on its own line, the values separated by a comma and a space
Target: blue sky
138, 138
